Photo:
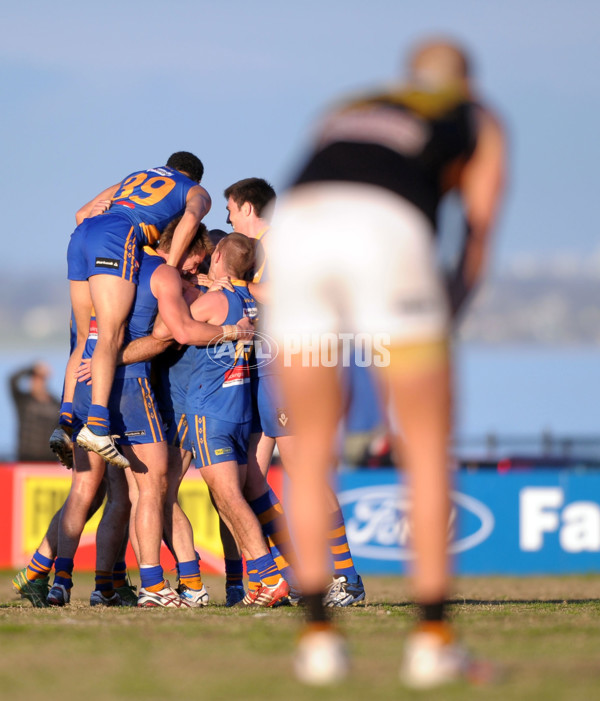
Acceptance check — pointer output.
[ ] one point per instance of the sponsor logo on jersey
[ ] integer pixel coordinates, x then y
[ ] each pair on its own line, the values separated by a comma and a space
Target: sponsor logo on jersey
238, 375
135, 433
93, 331
223, 451
111, 263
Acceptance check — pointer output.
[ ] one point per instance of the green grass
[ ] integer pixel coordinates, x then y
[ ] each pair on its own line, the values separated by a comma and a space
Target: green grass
544, 633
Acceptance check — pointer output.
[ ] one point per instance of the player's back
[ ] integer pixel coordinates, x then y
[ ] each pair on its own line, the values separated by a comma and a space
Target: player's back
172, 374
403, 141
219, 383
150, 199
143, 312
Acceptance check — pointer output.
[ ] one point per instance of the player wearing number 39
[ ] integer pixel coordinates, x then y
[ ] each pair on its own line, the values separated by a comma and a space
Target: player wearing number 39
103, 261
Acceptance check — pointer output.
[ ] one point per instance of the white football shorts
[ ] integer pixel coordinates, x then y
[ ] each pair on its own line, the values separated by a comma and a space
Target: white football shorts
353, 258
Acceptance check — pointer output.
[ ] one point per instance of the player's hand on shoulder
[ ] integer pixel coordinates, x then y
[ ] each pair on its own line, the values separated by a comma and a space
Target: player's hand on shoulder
245, 329
99, 207
223, 283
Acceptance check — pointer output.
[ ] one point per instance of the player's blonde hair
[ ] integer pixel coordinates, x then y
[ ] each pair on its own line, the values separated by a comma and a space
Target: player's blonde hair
238, 253
200, 244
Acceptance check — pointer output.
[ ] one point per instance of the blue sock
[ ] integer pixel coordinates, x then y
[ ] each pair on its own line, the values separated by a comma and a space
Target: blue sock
39, 567
234, 572
267, 570
98, 420
66, 415
253, 578
269, 513
151, 576
343, 563
120, 574
63, 568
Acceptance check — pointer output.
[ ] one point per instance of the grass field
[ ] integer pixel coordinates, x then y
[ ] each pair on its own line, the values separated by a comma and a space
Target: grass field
544, 633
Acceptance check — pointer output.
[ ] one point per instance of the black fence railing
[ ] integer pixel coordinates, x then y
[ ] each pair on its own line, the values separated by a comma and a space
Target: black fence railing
505, 452
492, 451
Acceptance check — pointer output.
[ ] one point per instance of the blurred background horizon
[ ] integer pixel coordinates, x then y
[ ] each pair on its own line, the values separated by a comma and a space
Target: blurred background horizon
91, 94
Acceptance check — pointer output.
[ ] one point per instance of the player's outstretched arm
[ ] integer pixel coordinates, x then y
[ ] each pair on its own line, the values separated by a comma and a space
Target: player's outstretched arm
260, 291
481, 187
175, 313
96, 206
137, 351
197, 206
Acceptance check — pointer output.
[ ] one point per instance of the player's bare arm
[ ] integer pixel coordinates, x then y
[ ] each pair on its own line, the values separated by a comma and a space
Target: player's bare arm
481, 187
211, 308
99, 204
260, 291
197, 206
166, 287
137, 351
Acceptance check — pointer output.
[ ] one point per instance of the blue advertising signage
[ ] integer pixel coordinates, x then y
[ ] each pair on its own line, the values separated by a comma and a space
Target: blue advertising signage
542, 522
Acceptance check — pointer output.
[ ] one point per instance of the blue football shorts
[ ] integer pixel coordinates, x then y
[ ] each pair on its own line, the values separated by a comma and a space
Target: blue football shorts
176, 429
269, 407
214, 441
104, 245
133, 412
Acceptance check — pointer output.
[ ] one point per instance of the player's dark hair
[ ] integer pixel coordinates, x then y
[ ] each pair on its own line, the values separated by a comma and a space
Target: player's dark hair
254, 190
238, 253
186, 162
201, 242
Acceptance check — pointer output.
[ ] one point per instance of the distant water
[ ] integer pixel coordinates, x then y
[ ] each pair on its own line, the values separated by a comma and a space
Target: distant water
505, 390
527, 390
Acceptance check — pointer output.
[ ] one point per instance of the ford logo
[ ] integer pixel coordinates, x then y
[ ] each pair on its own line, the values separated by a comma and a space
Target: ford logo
378, 524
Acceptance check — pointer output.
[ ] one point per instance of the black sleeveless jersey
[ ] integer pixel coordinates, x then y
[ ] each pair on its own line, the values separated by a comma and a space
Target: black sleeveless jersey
402, 141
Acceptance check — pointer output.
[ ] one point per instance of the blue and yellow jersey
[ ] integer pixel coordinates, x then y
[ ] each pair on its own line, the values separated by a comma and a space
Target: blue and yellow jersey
172, 373
141, 318
219, 384
150, 199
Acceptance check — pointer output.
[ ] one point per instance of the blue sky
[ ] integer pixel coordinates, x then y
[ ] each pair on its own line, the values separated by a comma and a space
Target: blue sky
93, 91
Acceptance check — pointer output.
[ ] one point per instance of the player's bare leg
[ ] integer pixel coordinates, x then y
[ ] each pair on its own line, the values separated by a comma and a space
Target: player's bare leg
345, 587
149, 467
419, 383
87, 475
110, 537
112, 298
260, 452
81, 305
178, 529
321, 655
419, 380
267, 587
223, 480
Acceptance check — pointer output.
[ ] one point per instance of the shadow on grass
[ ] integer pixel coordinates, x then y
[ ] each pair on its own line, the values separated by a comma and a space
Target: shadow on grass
486, 602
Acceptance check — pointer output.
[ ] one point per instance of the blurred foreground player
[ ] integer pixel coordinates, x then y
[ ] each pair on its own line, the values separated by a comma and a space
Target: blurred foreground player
379, 168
